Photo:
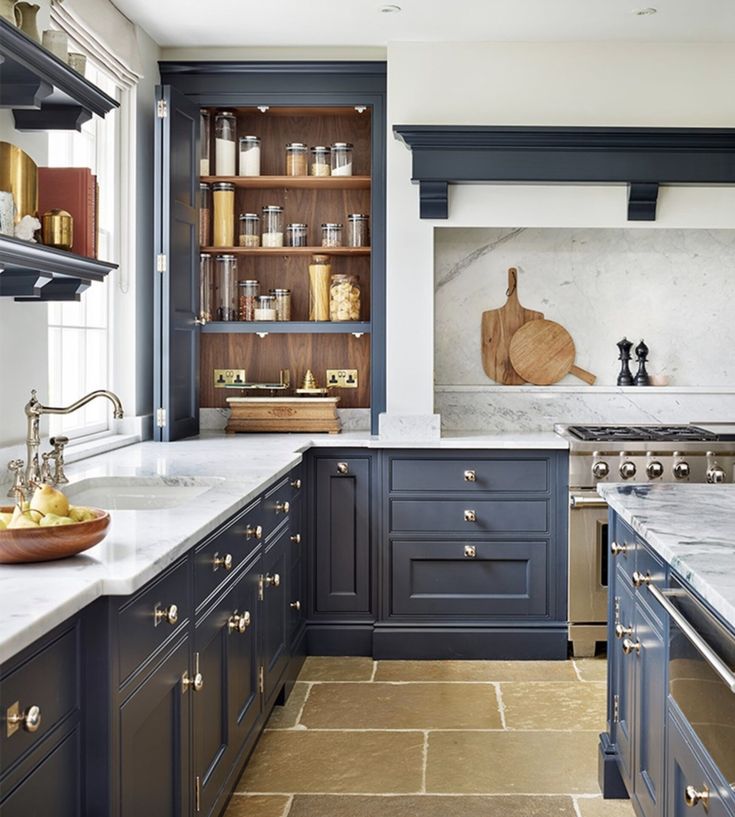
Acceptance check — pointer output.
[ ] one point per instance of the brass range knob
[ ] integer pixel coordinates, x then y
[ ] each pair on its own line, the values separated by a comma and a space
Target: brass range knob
29, 720
470, 515
254, 532
295, 605
195, 682
282, 507
168, 614
693, 797
639, 579
617, 549
222, 561
470, 475
630, 646
621, 631
296, 484
296, 538
238, 622
273, 581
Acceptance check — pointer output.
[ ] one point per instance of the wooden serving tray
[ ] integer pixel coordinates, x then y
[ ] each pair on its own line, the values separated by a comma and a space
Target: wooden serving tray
283, 414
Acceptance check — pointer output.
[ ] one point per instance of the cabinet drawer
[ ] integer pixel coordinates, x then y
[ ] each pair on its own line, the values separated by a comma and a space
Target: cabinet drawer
490, 516
143, 622
48, 680
441, 579
221, 555
276, 506
469, 475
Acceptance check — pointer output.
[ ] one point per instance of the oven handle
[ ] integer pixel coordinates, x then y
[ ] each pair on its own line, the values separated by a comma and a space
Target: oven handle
701, 646
577, 502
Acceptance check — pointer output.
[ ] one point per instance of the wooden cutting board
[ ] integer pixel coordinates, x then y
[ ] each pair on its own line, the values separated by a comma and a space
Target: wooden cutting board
542, 352
498, 327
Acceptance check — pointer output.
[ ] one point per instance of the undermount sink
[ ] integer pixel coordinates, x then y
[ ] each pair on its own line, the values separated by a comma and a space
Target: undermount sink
139, 493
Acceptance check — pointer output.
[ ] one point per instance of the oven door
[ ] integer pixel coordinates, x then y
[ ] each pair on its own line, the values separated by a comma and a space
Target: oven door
588, 558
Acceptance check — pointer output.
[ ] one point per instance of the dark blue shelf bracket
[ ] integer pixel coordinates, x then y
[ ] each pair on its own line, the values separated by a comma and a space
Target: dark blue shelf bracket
434, 199
642, 200
23, 283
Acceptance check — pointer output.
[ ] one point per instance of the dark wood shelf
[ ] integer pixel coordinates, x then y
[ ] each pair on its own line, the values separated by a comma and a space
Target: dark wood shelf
288, 327
44, 92
294, 182
286, 250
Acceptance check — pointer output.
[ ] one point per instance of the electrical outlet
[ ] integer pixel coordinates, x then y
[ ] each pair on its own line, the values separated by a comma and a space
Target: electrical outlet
228, 377
341, 378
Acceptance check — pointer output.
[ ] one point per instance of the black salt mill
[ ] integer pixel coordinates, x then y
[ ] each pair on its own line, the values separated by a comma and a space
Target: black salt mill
625, 378
641, 353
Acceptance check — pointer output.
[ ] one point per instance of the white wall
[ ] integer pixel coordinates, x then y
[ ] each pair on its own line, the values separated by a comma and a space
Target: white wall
532, 84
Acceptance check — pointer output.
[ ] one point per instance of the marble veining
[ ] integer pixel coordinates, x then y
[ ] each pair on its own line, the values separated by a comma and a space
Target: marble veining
692, 527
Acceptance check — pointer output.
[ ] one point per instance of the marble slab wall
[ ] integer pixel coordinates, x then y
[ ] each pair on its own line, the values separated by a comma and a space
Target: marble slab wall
673, 288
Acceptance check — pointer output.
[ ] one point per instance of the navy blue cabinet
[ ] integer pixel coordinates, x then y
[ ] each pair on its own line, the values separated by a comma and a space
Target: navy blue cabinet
276, 614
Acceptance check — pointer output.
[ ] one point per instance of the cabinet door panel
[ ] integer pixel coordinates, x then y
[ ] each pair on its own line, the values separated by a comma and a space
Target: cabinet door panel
623, 672
242, 659
274, 618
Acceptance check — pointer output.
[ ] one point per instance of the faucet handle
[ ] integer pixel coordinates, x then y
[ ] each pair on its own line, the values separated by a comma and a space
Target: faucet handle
17, 489
45, 469
58, 443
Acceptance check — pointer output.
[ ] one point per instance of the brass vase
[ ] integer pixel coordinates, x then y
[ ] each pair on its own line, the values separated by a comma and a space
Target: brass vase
19, 175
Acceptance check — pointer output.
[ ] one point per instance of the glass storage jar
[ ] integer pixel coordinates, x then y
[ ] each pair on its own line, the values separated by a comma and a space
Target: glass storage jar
297, 235
206, 283
358, 230
331, 235
297, 159
205, 215
265, 308
344, 298
249, 230
249, 156
283, 304
320, 271
272, 225
341, 159
225, 147
225, 280
320, 161
223, 195
249, 291
204, 143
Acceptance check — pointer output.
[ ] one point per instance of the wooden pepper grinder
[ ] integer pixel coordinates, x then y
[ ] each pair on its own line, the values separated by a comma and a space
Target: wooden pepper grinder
625, 378
641, 353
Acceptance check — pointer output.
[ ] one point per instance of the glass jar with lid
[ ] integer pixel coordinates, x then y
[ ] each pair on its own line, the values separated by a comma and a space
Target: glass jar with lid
225, 146
249, 156
204, 143
205, 214
223, 195
283, 304
331, 235
249, 291
297, 235
225, 282
358, 231
206, 283
320, 271
249, 230
265, 308
344, 298
320, 161
297, 159
341, 159
272, 217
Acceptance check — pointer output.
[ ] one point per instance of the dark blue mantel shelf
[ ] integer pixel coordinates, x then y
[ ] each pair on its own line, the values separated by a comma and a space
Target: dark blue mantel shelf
644, 158
288, 327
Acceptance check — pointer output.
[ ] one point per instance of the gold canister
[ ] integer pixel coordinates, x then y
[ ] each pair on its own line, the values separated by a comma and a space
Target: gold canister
19, 175
58, 229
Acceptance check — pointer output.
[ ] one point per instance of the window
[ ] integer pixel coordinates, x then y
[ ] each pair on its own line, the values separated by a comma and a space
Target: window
80, 334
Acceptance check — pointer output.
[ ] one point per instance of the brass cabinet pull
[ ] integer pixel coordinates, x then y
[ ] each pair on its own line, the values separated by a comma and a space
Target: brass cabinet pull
273, 581
470, 475
296, 605
630, 646
693, 798
222, 561
196, 682
640, 579
282, 507
296, 538
256, 532
168, 614
343, 468
30, 719
470, 551
238, 622
617, 549
296, 484
470, 515
621, 631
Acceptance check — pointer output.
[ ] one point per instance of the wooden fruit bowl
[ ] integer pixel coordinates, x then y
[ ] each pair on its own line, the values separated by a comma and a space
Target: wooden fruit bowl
47, 544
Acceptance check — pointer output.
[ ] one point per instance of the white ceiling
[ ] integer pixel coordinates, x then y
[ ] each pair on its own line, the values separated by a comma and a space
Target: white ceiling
198, 23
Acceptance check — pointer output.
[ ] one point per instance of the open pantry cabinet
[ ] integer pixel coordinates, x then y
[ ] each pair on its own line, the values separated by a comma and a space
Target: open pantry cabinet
281, 103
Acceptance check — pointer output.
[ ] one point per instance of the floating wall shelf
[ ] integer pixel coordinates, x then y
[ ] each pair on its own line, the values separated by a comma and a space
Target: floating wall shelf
644, 158
286, 250
288, 327
294, 182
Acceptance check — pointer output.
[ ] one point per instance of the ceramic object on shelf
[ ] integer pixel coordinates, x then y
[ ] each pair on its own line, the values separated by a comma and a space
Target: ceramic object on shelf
57, 43
78, 62
10, 12
7, 213
29, 20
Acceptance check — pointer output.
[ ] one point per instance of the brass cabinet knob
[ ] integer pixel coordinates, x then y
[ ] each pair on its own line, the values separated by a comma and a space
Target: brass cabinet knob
343, 468
470, 516
29, 720
296, 484
621, 631
470, 551
296, 538
238, 622
296, 605
640, 579
273, 581
617, 549
222, 561
693, 798
630, 646
254, 532
168, 614
470, 475
282, 507
196, 682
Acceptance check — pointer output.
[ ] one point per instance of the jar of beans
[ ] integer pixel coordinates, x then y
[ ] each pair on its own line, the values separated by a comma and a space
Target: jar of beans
249, 291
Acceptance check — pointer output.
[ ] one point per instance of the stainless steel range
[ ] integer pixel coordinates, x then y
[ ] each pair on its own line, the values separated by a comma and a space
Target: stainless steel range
633, 454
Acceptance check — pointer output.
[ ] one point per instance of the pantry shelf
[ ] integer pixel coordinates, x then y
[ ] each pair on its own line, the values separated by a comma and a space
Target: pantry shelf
286, 250
293, 182
288, 327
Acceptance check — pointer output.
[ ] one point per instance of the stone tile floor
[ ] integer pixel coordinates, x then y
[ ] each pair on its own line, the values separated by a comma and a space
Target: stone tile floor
363, 738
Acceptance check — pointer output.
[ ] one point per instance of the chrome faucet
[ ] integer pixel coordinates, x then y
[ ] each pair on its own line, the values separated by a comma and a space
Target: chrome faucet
35, 474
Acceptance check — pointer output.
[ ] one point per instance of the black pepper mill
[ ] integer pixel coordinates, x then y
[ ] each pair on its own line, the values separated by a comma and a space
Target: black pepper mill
641, 353
625, 378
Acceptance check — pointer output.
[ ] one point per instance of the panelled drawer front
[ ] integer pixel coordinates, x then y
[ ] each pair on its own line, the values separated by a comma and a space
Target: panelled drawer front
50, 681
141, 632
490, 515
441, 579
469, 475
276, 506
238, 541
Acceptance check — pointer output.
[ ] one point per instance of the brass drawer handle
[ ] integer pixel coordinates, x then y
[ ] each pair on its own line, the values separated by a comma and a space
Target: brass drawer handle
640, 579
282, 507
470, 551
295, 605
273, 581
622, 632
470, 515
222, 561
296, 484
693, 798
238, 622
617, 549
630, 646
343, 468
256, 532
470, 475
296, 538
30, 719
168, 614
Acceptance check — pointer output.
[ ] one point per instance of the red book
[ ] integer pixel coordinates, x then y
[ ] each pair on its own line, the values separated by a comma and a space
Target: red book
72, 189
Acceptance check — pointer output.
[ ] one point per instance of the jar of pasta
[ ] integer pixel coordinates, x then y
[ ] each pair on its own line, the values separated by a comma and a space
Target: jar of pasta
344, 298
320, 271
223, 195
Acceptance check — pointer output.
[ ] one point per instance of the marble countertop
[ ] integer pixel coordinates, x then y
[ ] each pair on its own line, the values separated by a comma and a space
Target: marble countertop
692, 527
35, 598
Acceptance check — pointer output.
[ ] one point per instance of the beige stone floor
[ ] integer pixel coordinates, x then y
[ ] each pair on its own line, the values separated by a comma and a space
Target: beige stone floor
364, 738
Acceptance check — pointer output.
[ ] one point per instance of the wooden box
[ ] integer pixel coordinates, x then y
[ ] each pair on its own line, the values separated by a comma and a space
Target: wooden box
293, 414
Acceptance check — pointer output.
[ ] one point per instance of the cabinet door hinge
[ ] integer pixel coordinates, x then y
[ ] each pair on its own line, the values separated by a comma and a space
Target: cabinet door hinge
261, 679
261, 588
616, 708
198, 793
161, 264
162, 109
161, 418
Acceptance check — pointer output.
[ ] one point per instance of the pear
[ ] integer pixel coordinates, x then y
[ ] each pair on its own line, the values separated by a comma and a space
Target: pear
23, 520
48, 500
80, 514
52, 520
5, 520
25, 512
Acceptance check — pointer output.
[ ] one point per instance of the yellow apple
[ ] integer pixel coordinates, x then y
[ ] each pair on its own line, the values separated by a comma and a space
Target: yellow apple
52, 520
49, 500
80, 514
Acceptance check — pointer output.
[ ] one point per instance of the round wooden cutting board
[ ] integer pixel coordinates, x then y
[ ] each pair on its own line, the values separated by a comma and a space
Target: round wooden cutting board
542, 352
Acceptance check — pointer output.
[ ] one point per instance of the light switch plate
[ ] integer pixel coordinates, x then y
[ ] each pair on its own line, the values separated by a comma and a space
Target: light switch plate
228, 377
342, 378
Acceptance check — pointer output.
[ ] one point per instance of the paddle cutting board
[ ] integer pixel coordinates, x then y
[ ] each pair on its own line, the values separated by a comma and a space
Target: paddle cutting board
543, 352
498, 327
